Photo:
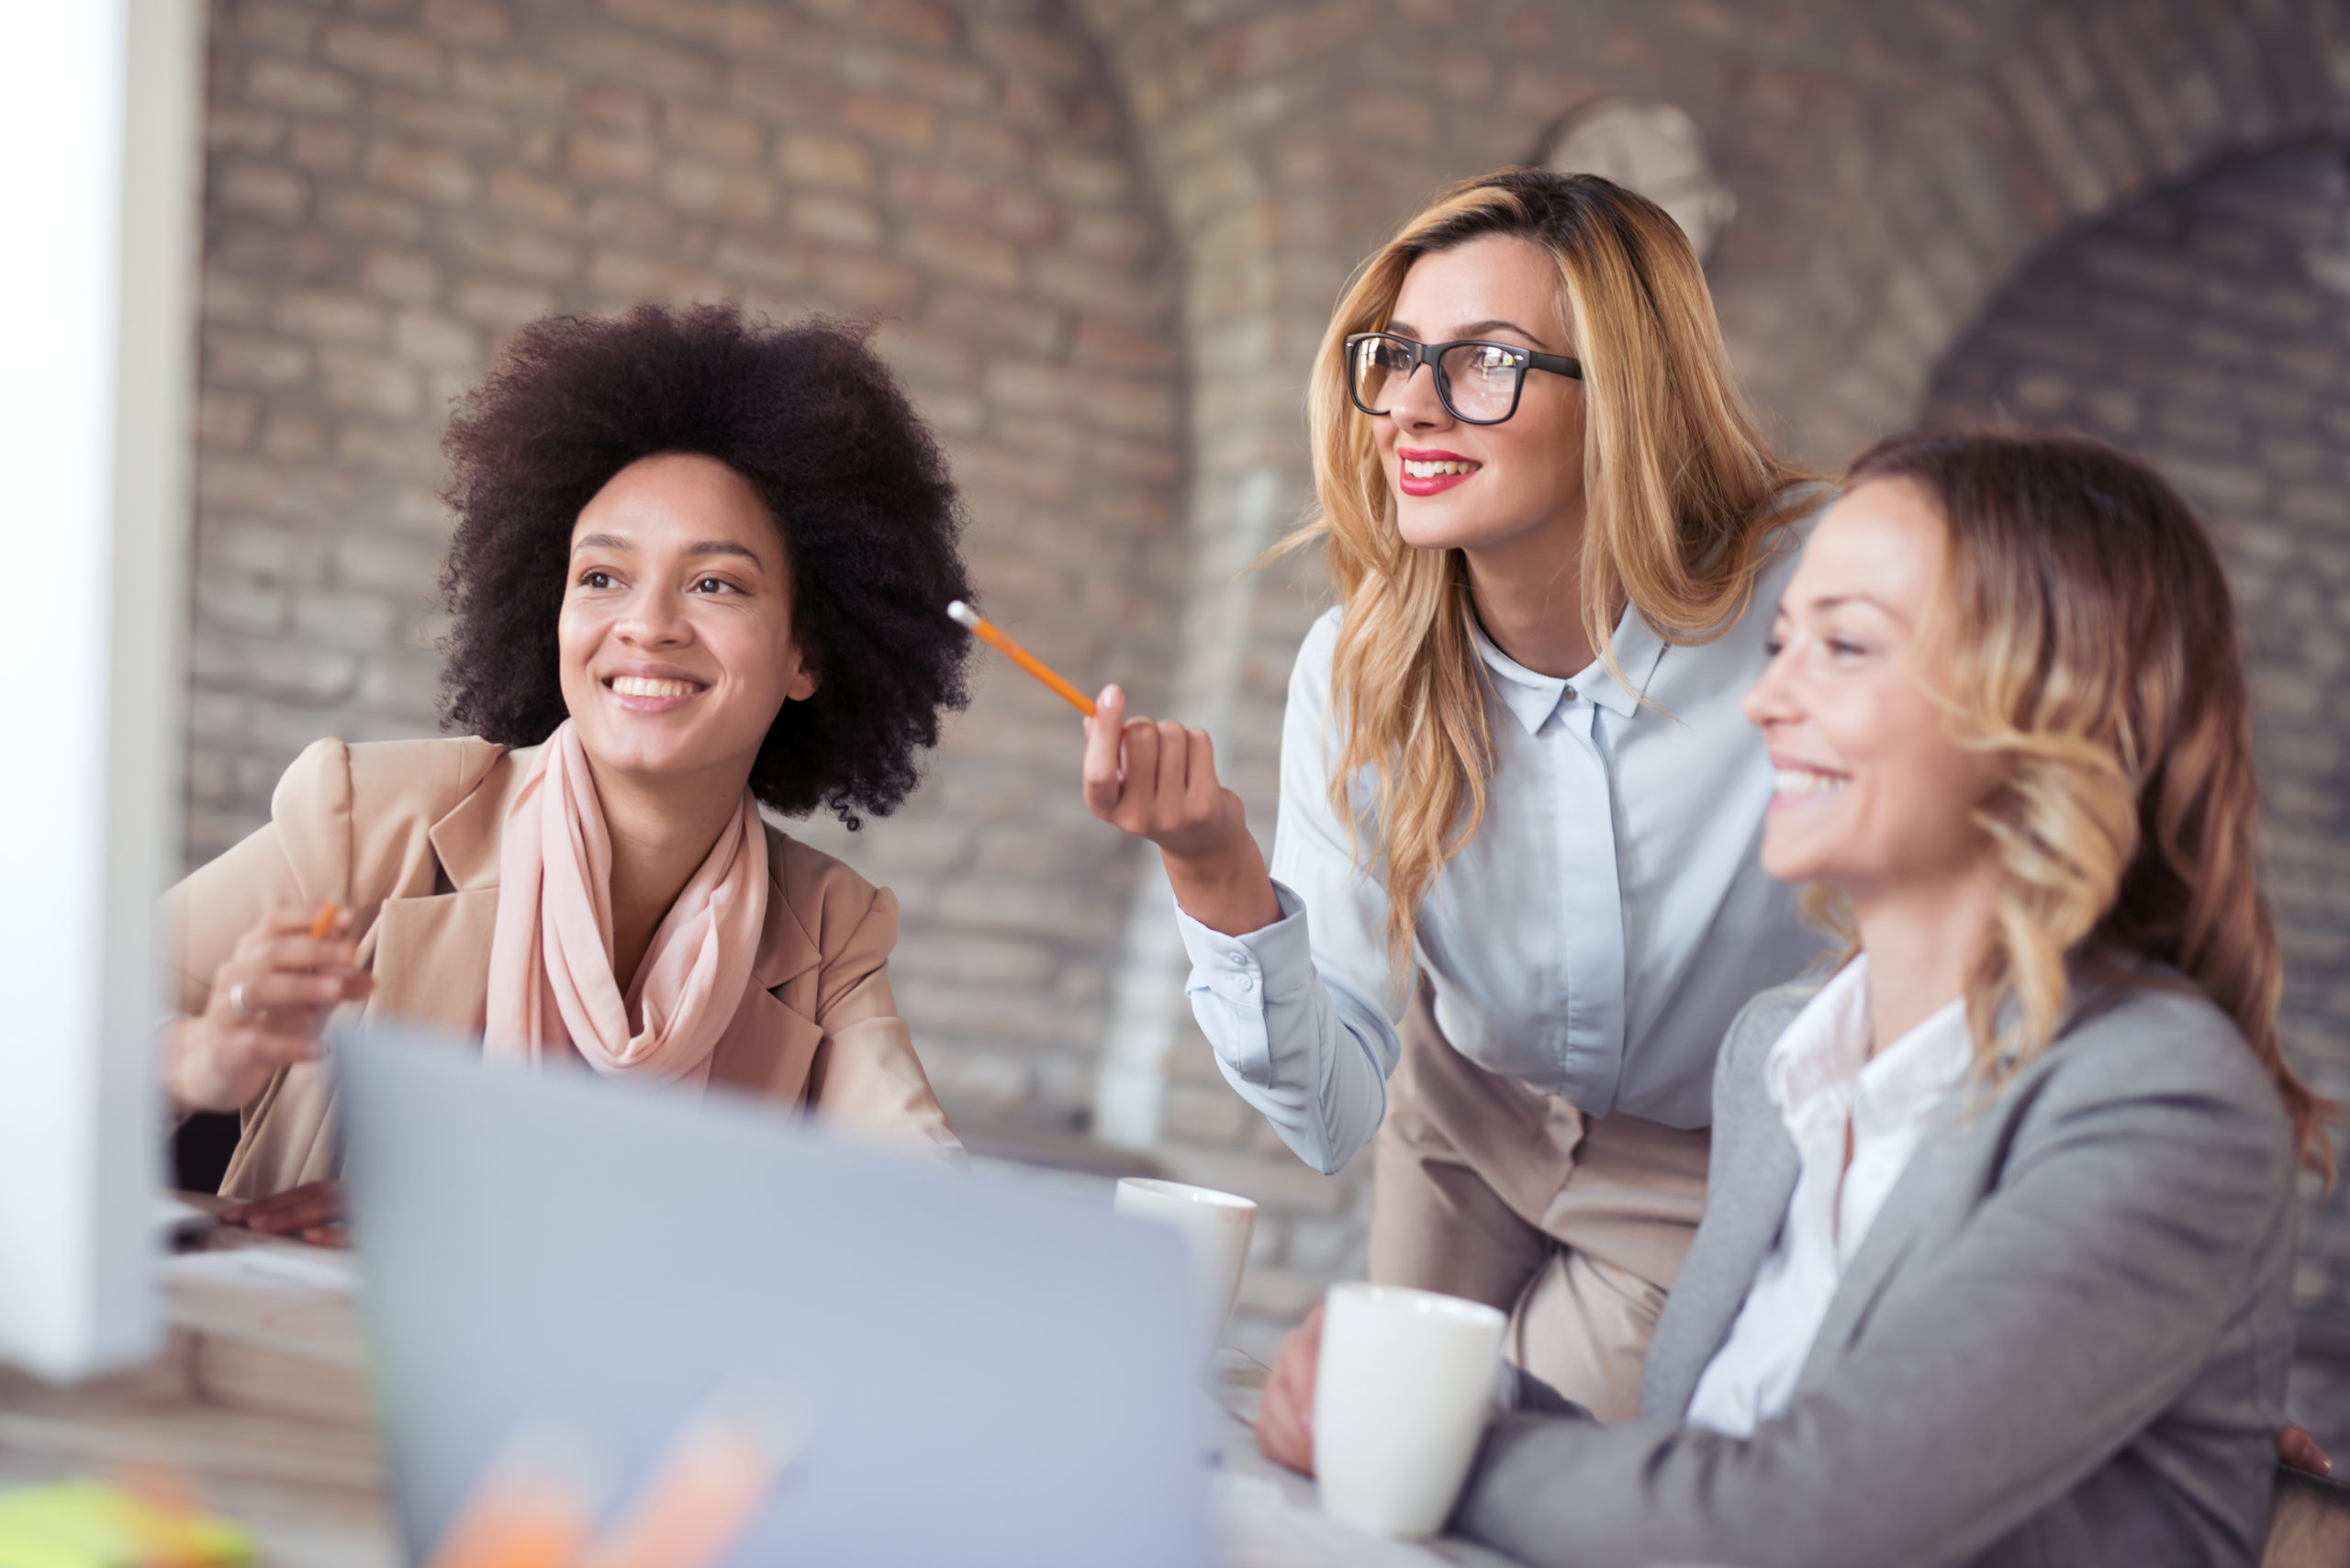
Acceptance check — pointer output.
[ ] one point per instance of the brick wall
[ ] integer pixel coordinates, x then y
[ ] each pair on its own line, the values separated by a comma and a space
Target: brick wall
393, 187
2208, 329
1105, 240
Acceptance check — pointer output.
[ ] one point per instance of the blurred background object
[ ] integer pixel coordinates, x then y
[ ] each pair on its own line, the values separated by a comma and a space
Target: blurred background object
1656, 149
1100, 238
100, 118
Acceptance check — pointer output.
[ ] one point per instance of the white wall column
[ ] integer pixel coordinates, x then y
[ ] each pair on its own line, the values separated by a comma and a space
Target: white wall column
99, 132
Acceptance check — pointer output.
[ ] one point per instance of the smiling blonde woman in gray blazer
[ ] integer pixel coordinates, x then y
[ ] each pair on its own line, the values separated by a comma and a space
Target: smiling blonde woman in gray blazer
1996, 1265
1997, 1262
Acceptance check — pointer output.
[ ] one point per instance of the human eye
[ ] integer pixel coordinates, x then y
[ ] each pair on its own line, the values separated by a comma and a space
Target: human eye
714, 586
596, 578
1773, 646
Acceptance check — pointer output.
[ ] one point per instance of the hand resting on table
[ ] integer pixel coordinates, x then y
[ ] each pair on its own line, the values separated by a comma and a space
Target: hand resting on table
1285, 1419
311, 1212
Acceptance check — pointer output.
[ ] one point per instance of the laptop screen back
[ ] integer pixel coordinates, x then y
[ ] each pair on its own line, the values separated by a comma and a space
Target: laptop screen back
990, 1370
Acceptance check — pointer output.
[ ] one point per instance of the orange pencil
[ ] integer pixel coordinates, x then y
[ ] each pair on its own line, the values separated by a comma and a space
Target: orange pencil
963, 615
325, 923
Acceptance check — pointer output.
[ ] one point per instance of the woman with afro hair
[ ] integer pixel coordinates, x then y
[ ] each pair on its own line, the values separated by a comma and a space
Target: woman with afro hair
698, 569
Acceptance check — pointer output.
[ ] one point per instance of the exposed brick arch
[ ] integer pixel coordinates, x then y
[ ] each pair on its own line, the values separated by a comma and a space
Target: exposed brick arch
2206, 327
2053, 116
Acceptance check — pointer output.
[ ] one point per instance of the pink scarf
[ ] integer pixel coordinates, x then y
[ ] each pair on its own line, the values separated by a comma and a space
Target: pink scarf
550, 984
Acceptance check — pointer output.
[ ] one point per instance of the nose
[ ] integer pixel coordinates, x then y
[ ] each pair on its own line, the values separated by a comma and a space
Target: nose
1770, 702
654, 618
1415, 405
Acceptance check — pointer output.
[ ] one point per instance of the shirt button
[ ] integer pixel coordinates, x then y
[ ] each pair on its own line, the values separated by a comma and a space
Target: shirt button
1568, 694
1243, 983
1238, 960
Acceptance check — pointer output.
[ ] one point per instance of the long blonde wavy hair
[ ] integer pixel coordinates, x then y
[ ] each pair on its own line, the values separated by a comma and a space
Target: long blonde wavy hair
2093, 651
1680, 491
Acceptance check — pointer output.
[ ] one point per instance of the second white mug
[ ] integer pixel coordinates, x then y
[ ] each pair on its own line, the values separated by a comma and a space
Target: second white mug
1400, 1395
1215, 1227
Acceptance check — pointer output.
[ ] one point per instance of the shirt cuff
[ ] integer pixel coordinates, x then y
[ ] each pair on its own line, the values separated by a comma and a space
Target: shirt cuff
1278, 945
1231, 973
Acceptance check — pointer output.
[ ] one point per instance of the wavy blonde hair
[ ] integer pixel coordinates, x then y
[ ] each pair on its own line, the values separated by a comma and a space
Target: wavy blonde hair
2093, 650
1680, 491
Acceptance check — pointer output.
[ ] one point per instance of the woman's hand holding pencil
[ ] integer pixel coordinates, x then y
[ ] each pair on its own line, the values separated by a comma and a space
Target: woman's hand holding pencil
268, 1006
1155, 778
1157, 781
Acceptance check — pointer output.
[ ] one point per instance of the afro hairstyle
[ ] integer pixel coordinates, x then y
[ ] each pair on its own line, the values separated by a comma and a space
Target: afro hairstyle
808, 414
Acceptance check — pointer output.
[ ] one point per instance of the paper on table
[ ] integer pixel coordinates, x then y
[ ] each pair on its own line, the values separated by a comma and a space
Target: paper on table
171, 1211
271, 1269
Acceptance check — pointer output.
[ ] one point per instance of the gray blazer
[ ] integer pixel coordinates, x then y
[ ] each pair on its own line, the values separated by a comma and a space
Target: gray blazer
2064, 1341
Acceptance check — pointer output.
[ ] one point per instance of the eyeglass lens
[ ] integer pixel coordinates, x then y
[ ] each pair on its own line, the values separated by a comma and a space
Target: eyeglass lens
1476, 380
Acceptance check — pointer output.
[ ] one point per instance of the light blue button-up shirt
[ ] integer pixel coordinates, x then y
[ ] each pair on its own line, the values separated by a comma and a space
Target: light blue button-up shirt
1594, 939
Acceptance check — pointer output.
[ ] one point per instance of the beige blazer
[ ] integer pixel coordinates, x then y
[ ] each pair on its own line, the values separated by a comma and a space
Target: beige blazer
405, 834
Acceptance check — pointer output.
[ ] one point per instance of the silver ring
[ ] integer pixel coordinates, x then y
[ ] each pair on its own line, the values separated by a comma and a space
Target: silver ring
236, 1000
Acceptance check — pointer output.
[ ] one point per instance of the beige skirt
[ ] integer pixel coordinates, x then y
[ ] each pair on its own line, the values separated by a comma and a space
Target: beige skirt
1486, 1188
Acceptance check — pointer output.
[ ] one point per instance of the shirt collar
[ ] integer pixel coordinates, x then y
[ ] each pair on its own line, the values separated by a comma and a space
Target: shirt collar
1826, 1045
1533, 698
1825, 1050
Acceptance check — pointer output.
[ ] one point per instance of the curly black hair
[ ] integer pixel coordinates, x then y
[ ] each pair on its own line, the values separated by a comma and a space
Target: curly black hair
813, 419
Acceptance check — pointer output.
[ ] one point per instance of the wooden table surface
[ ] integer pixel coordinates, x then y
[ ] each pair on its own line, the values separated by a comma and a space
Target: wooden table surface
260, 1400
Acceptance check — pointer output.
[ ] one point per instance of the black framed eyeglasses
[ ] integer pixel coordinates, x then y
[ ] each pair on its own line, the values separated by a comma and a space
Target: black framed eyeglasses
1478, 383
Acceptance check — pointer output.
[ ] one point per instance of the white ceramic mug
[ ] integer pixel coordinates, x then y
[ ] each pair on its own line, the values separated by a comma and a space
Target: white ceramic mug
1215, 1227
1401, 1396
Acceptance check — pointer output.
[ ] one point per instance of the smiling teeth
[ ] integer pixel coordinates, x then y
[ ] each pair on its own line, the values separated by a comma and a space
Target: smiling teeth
1801, 781
641, 685
1419, 470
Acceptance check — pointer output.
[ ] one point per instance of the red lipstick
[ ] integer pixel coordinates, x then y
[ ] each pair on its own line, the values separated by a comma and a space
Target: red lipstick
1431, 484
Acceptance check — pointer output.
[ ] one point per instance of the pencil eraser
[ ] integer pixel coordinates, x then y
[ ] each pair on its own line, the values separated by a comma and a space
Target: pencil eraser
963, 614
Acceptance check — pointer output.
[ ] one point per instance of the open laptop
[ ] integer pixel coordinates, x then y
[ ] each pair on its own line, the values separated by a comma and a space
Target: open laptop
989, 1370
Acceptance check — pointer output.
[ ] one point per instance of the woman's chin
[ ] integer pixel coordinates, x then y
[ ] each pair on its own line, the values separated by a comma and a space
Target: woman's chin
1795, 863
1425, 526
1448, 521
642, 756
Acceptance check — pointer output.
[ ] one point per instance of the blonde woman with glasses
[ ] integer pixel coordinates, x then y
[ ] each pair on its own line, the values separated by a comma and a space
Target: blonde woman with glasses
1513, 900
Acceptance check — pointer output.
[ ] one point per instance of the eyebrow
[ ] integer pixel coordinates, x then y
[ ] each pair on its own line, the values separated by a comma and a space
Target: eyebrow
1470, 330
1831, 601
1474, 330
707, 547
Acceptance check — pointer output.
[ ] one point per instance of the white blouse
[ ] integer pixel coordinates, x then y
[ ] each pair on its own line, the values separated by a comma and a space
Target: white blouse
1823, 1080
